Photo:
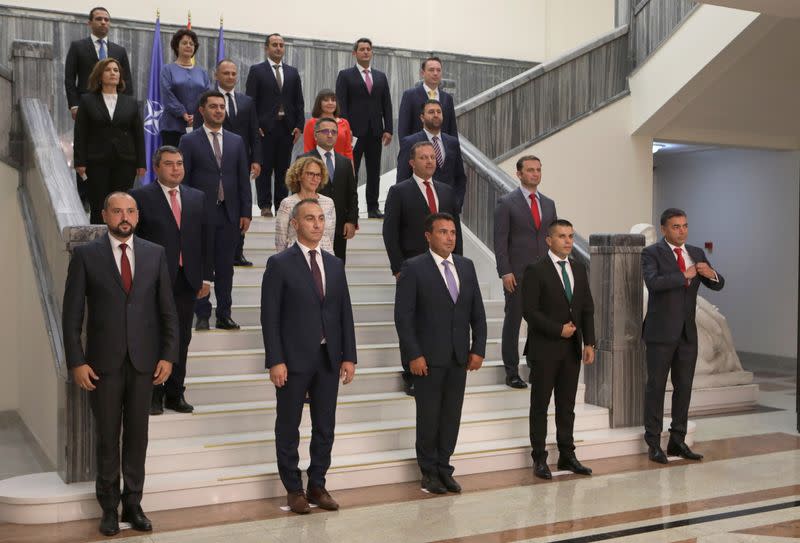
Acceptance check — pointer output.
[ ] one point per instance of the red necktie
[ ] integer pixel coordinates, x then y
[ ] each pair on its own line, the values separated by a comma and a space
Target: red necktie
368, 81
125, 269
681, 262
176, 212
537, 220
430, 196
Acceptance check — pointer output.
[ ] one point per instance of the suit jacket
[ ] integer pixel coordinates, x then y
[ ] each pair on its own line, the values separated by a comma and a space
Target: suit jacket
451, 173
157, 224
517, 241
81, 59
671, 305
203, 173
429, 323
100, 138
343, 191
294, 318
142, 324
411, 106
369, 114
404, 220
546, 310
262, 87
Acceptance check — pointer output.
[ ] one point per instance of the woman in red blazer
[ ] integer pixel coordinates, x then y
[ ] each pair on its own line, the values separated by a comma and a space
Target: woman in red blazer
325, 106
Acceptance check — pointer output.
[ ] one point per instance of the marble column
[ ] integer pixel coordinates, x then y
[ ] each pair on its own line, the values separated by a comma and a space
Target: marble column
33, 77
617, 378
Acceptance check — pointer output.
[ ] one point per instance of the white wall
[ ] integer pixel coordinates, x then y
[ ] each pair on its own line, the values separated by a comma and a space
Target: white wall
532, 30
10, 233
746, 203
599, 176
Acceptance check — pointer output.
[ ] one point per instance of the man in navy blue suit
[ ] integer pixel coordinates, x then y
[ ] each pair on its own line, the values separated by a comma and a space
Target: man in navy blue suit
310, 343
364, 100
437, 303
673, 272
278, 94
215, 161
449, 164
173, 216
408, 121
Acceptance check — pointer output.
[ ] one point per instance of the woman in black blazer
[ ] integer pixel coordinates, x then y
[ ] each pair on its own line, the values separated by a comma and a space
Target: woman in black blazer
108, 145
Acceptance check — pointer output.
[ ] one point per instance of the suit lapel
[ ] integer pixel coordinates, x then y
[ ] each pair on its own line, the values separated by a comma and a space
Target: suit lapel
108, 255
303, 263
522, 204
91, 50
554, 276
461, 270
100, 105
201, 133
668, 255
439, 279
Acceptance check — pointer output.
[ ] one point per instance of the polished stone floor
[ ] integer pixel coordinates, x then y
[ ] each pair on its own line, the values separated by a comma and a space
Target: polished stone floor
747, 489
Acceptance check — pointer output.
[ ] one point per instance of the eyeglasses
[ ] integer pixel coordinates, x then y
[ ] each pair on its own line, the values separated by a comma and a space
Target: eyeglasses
328, 131
313, 174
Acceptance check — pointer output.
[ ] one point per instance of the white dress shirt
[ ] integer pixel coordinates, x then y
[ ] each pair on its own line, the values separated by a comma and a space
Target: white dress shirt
322, 152
233, 99
438, 259
428, 92
165, 189
115, 243
318, 258
275, 72
111, 103
421, 184
361, 69
527, 194
686, 258
440, 142
555, 258
96, 43
211, 138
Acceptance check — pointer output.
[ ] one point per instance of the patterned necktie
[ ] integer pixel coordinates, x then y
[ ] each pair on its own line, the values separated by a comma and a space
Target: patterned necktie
278, 77
450, 280
329, 165
681, 262
368, 81
125, 269
537, 219
316, 274
432, 94
176, 212
102, 54
438, 150
565, 278
218, 156
430, 196
231, 107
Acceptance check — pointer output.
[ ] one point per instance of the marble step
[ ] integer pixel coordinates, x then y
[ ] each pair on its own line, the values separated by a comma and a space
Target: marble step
256, 386
375, 256
234, 417
362, 274
250, 337
263, 225
266, 240
234, 449
250, 315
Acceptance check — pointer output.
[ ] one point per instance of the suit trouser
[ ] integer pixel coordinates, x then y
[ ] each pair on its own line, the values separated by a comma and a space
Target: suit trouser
185, 298
679, 357
239, 253
339, 242
225, 236
277, 151
103, 178
322, 386
439, 397
511, 326
370, 147
548, 376
122, 397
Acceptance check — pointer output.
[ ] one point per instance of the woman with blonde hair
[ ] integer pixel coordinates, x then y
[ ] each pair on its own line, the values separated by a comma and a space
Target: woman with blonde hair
304, 178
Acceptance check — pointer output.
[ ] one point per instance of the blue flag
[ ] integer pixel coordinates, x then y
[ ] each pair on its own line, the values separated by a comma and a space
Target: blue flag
153, 108
220, 43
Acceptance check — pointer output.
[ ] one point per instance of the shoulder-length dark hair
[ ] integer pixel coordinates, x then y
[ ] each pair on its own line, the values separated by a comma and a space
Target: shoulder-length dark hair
95, 83
316, 111
176, 40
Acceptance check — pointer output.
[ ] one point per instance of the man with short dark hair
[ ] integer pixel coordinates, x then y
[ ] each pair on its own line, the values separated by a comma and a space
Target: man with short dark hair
558, 307
520, 227
408, 121
437, 303
673, 272
362, 93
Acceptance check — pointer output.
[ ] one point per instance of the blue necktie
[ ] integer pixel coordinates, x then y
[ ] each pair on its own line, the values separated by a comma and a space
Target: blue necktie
565, 278
450, 280
329, 165
102, 54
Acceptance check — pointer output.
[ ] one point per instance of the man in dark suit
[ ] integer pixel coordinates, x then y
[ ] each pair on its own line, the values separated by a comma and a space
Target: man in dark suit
672, 272
449, 164
558, 307
215, 161
310, 343
278, 95
437, 302
131, 344
520, 229
341, 186
241, 119
413, 99
364, 100
173, 216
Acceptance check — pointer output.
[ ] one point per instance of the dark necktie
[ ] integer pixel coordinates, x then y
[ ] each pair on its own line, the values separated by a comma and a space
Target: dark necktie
681, 262
218, 156
316, 274
125, 269
102, 54
537, 219
430, 196
329, 165
231, 107
565, 278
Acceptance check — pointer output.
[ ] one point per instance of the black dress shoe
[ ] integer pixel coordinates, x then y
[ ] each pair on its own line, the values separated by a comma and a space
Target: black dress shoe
656, 454
375, 214
178, 404
201, 324
408, 388
242, 261
433, 484
514, 381
449, 483
570, 463
226, 323
541, 470
135, 517
682, 450
109, 524
157, 401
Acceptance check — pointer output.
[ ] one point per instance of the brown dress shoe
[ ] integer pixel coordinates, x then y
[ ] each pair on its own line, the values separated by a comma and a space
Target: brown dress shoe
320, 497
297, 502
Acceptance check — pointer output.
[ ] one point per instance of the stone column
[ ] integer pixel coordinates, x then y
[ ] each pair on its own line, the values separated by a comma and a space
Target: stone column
617, 378
33, 73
